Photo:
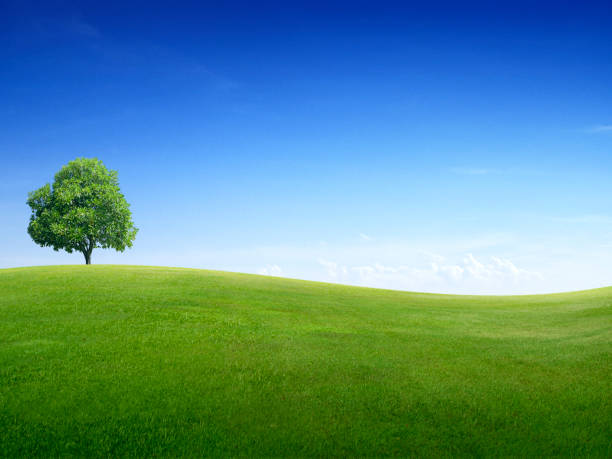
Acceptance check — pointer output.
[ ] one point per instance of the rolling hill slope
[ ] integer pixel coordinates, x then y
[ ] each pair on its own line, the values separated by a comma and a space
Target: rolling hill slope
142, 361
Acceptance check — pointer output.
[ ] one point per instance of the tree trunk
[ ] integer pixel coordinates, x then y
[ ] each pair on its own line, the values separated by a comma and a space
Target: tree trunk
87, 248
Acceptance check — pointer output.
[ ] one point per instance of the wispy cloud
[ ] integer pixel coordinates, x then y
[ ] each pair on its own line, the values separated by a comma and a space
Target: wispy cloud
44, 28
335, 271
599, 128
473, 171
270, 270
591, 218
482, 171
364, 237
471, 274
82, 28
220, 82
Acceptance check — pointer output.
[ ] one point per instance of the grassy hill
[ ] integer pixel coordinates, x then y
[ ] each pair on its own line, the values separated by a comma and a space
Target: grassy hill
142, 361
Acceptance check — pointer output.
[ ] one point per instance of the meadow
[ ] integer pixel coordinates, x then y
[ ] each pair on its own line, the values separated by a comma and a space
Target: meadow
147, 361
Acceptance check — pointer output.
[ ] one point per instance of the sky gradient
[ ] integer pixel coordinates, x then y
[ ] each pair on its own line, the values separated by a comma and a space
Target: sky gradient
462, 149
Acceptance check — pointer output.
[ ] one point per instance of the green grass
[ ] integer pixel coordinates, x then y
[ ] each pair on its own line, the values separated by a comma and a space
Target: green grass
142, 361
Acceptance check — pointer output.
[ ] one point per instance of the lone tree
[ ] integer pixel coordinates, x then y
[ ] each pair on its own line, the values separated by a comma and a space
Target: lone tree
82, 211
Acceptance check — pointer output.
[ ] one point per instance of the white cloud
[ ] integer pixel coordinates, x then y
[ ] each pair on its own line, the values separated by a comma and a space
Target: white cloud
476, 171
473, 171
470, 275
49, 28
334, 271
270, 270
600, 128
79, 27
364, 237
591, 218
500, 263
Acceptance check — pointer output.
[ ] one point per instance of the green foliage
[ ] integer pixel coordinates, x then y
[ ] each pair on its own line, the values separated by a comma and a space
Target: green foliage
129, 361
83, 210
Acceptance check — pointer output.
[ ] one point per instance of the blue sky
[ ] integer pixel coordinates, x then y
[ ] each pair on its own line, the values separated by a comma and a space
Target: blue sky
450, 148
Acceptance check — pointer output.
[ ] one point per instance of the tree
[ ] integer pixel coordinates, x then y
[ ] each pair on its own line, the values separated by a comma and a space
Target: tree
83, 210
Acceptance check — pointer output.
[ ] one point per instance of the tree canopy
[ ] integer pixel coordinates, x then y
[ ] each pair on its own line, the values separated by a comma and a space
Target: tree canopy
83, 210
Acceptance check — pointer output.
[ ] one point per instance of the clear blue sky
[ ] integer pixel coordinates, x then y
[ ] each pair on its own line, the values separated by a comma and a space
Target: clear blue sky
440, 147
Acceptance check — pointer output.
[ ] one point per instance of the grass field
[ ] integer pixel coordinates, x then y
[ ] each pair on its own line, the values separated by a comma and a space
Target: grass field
142, 361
